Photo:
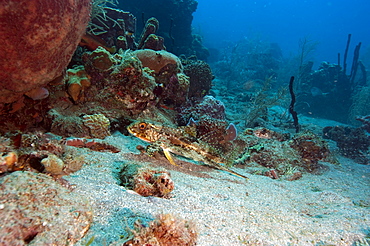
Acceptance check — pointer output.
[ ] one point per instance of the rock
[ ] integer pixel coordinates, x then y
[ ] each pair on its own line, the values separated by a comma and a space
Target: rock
36, 210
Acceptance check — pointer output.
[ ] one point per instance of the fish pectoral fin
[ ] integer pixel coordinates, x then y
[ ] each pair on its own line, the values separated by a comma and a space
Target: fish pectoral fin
169, 157
221, 167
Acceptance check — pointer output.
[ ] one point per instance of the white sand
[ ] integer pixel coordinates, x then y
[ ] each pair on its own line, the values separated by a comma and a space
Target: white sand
328, 209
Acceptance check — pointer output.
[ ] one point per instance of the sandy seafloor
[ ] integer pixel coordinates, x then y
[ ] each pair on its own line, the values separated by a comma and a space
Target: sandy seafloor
328, 209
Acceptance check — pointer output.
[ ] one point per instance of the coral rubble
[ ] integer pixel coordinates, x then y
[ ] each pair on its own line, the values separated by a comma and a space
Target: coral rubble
39, 152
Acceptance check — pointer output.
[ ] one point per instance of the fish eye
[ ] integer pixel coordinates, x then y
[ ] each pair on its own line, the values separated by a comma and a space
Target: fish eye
142, 126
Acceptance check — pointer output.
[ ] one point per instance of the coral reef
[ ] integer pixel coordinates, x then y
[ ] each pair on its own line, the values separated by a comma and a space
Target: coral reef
200, 77
175, 18
119, 86
37, 210
147, 182
365, 120
352, 142
166, 230
329, 92
41, 37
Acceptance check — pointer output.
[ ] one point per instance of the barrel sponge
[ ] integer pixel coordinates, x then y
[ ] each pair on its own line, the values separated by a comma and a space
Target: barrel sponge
39, 38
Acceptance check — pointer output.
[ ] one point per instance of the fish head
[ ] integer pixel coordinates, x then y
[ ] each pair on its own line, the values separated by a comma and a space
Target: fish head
145, 131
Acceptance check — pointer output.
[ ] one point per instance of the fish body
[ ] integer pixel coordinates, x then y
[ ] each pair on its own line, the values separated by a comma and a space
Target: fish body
182, 141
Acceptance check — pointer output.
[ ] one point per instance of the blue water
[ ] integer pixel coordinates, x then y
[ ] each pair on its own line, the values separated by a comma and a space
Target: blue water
285, 22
